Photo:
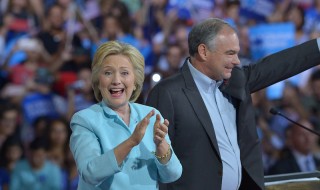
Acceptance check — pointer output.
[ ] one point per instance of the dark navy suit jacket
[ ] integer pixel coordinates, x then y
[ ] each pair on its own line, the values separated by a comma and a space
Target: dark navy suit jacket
191, 131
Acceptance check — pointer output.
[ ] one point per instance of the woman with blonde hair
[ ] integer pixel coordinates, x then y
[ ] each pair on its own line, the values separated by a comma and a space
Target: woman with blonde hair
119, 144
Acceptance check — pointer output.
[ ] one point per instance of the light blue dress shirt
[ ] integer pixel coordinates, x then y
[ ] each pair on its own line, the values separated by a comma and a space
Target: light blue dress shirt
223, 117
25, 178
306, 162
97, 130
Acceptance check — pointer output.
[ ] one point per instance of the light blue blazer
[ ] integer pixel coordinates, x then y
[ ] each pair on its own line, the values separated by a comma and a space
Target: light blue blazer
96, 131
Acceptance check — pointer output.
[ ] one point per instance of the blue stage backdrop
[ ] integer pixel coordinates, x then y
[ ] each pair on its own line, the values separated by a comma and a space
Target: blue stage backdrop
266, 39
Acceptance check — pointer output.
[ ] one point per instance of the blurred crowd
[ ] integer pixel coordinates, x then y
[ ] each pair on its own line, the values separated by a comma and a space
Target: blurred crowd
46, 48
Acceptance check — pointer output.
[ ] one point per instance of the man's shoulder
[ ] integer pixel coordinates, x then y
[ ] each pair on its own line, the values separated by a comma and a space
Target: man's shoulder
172, 81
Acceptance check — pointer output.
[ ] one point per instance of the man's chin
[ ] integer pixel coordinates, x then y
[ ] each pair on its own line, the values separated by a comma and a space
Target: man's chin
227, 76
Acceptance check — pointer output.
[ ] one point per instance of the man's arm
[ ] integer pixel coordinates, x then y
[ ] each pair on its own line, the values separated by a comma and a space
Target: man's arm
282, 65
161, 100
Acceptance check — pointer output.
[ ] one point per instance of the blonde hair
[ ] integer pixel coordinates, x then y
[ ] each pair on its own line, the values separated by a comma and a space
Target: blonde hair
118, 48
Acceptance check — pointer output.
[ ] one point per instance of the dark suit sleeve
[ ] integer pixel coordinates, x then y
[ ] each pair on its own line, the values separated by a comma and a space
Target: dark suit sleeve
282, 65
160, 99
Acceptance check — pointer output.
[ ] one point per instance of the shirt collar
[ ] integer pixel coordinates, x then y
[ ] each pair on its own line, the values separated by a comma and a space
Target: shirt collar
203, 81
111, 113
300, 157
107, 110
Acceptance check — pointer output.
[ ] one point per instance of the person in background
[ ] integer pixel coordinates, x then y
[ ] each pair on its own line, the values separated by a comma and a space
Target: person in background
21, 19
10, 154
312, 21
209, 107
170, 63
39, 126
43, 101
36, 172
22, 74
298, 155
295, 14
311, 101
116, 143
290, 105
79, 93
72, 172
55, 38
9, 122
271, 143
115, 27
57, 136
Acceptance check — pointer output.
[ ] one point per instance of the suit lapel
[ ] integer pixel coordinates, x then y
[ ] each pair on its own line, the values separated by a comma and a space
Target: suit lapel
317, 162
294, 166
235, 85
196, 101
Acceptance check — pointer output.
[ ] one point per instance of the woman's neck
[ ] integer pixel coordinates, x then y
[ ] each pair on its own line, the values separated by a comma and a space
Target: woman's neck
124, 113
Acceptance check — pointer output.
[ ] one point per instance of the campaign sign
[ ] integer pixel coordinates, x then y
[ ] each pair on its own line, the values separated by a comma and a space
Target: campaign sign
266, 39
36, 105
257, 9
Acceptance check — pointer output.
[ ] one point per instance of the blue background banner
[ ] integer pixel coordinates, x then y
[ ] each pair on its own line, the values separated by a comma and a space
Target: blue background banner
266, 39
257, 9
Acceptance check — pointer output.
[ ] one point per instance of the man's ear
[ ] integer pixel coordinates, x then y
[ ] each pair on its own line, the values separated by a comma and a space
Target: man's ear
202, 51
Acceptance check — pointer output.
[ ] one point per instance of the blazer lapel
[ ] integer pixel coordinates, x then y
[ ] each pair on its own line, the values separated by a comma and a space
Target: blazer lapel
235, 85
198, 105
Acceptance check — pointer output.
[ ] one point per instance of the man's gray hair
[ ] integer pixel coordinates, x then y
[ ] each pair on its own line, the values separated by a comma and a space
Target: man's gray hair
204, 33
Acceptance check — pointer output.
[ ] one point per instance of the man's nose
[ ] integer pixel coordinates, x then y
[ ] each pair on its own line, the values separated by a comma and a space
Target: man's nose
236, 60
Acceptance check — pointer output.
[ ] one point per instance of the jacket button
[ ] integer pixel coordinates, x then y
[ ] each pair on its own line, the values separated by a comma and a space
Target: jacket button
220, 172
